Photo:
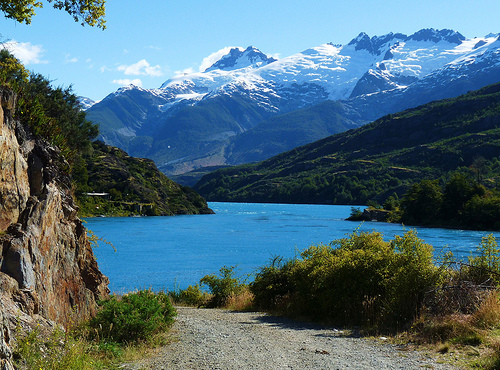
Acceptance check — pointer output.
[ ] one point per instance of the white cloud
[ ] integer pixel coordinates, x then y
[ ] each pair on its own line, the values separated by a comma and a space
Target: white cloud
68, 59
153, 47
26, 52
142, 67
90, 63
212, 58
126, 82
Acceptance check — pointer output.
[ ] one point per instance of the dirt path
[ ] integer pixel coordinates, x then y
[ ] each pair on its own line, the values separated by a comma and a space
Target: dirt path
220, 339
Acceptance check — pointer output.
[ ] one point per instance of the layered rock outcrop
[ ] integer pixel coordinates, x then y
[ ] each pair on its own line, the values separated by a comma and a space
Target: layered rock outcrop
48, 273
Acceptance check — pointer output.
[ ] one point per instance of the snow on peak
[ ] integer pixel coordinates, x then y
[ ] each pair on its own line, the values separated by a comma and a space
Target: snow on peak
123, 90
330, 70
85, 102
238, 58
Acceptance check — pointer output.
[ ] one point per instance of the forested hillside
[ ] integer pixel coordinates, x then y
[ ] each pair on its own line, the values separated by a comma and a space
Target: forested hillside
377, 160
110, 182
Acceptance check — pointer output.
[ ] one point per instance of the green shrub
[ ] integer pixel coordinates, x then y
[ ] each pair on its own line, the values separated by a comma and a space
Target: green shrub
411, 275
223, 286
345, 279
272, 284
191, 296
485, 267
133, 317
358, 280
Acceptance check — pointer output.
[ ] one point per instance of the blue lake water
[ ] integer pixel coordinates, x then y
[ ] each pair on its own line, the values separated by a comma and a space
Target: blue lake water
170, 252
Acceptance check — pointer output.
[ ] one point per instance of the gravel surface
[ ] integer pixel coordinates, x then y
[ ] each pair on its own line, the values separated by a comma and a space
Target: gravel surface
221, 339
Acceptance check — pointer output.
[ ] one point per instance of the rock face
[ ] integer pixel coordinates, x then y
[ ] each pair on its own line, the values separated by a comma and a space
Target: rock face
48, 273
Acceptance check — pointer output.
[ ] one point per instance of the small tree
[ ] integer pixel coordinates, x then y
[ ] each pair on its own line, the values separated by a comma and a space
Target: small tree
222, 287
485, 267
457, 192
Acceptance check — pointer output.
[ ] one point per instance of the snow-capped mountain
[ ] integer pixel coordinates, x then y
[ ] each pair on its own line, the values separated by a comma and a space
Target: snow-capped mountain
191, 120
397, 59
86, 103
238, 58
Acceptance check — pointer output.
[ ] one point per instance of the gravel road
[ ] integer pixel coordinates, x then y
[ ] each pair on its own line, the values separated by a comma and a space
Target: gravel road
221, 339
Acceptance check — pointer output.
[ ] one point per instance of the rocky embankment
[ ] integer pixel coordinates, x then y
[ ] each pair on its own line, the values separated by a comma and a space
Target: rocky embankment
222, 339
48, 273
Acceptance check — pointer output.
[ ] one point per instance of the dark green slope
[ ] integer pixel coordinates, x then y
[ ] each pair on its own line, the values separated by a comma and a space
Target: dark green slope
376, 160
133, 186
277, 135
288, 131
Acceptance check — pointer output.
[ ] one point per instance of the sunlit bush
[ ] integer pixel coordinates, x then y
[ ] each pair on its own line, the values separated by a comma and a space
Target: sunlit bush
191, 296
133, 317
222, 287
361, 279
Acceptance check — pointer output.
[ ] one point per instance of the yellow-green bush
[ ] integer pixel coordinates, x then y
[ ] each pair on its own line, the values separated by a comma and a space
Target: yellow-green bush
358, 280
484, 268
191, 296
223, 286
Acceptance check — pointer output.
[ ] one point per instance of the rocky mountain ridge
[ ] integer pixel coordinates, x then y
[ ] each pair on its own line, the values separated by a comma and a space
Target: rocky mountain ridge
48, 273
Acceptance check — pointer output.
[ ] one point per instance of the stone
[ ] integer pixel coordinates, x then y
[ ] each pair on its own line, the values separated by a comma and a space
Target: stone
5, 351
48, 272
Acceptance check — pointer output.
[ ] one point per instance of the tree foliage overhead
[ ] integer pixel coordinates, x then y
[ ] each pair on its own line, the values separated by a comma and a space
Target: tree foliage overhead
90, 12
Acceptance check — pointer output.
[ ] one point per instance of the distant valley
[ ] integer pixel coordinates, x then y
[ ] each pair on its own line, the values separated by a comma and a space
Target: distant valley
248, 107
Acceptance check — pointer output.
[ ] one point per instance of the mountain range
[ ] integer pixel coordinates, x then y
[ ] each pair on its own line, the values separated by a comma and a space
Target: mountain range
248, 106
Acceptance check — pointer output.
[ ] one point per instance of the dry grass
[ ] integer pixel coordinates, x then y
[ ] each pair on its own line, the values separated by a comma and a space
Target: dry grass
243, 301
487, 315
473, 338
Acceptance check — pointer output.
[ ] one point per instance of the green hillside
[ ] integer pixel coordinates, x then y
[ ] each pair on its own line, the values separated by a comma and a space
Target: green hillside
110, 182
376, 160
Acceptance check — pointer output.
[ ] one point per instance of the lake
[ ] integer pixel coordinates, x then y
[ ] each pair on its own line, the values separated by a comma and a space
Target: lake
177, 251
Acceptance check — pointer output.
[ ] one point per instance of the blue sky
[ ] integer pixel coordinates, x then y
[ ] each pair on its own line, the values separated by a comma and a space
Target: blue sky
147, 41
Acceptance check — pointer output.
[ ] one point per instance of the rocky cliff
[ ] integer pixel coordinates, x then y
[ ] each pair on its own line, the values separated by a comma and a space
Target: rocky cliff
48, 273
